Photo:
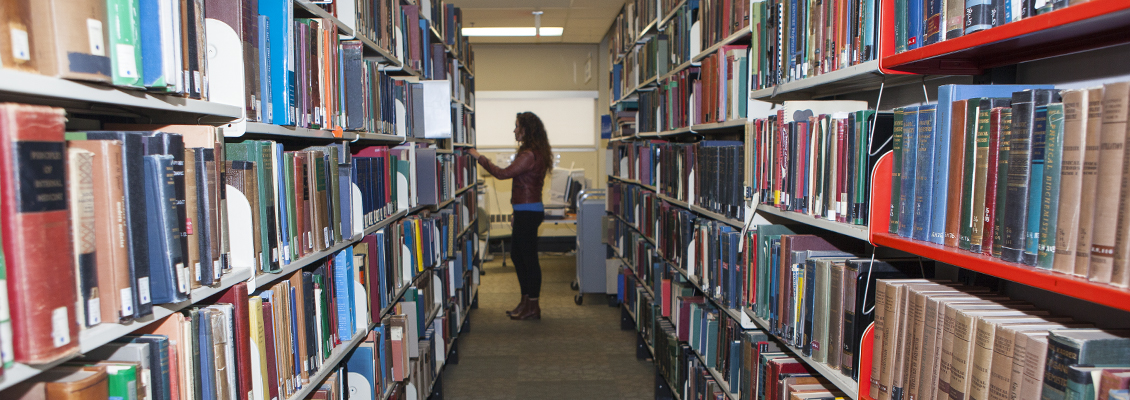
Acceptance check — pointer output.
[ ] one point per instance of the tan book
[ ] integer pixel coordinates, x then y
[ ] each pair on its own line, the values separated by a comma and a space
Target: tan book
16, 45
835, 314
1034, 346
901, 319
70, 39
299, 298
317, 201
1091, 156
1070, 178
911, 350
192, 210
964, 338
933, 340
80, 206
948, 341
258, 330
984, 346
220, 332
1116, 104
112, 247
1001, 384
922, 338
957, 169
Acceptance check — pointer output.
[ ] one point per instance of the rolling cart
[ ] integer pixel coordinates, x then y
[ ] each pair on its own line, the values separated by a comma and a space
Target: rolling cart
591, 266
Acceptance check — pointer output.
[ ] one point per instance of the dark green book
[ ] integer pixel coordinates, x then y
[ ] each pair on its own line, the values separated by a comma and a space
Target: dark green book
1081, 347
972, 122
896, 171
1015, 221
1004, 149
1049, 206
1035, 186
292, 217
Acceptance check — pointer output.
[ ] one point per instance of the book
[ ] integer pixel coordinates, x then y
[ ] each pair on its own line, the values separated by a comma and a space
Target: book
1080, 347
1116, 97
80, 197
1020, 154
1051, 190
35, 213
926, 139
61, 28
1077, 143
166, 263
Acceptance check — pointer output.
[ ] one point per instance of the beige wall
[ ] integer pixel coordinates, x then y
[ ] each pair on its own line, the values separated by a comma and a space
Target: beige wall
543, 67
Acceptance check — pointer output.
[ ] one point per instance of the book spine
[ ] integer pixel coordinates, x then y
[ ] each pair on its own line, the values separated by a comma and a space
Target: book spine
1014, 223
1111, 169
1035, 186
996, 140
906, 193
978, 209
1075, 148
977, 13
40, 287
1091, 159
80, 180
1052, 181
956, 180
915, 20
924, 172
1001, 182
969, 183
954, 18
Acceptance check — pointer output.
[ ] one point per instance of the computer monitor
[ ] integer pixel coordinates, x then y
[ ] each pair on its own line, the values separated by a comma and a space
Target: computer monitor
564, 184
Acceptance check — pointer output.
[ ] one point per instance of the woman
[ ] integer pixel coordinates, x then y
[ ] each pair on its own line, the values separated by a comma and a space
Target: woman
530, 165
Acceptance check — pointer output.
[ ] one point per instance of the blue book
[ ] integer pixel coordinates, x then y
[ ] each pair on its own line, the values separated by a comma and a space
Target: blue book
280, 38
382, 355
1036, 186
294, 331
915, 23
617, 71
867, 53
362, 372
164, 242
382, 266
906, 191
152, 54
947, 95
206, 360
345, 188
342, 283
265, 106
924, 171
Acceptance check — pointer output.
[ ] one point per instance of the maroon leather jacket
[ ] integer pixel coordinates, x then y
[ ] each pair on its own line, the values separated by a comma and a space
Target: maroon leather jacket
528, 173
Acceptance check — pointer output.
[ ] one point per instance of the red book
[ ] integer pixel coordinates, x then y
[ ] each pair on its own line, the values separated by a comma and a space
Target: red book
273, 380
995, 136
41, 286
778, 366
237, 297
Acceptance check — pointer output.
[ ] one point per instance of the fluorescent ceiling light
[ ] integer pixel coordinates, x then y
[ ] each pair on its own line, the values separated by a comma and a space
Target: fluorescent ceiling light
525, 31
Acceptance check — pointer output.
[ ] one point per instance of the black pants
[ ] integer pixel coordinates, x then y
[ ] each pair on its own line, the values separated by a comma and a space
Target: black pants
524, 251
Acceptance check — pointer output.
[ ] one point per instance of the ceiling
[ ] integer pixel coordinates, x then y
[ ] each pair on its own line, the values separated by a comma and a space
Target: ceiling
585, 21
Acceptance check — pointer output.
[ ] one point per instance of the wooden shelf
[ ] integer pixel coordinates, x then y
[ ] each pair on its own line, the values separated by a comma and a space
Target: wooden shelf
1081, 27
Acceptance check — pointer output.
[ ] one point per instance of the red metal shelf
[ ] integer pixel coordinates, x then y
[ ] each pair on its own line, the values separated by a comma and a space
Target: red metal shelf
1069, 285
1085, 26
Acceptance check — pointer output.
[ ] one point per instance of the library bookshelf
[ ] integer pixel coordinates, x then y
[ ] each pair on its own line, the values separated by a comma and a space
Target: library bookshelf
113, 104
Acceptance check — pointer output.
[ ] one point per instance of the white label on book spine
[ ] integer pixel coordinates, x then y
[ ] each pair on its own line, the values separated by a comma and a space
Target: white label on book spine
143, 290
94, 311
217, 270
127, 60
127, 302
60, 326
20, 48
182, 278
94, 35
198, 276
327, 235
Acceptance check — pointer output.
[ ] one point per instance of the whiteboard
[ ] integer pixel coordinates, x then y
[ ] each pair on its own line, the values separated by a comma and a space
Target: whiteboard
569, 116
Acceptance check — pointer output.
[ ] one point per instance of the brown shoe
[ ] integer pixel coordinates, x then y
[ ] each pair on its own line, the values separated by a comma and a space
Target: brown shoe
521, 306
532, 311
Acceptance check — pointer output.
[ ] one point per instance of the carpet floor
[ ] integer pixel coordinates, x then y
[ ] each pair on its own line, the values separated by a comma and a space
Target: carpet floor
573, 352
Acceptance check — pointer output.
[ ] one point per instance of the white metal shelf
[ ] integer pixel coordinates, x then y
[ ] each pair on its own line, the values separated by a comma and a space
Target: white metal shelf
855, 231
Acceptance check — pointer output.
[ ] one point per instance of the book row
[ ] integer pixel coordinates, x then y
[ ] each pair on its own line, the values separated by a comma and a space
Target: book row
816, 158
798, 40
922, 23
711, 93
706, 174
385, 22
272, 343
1031, 174
151, 216
703, 354
159, 45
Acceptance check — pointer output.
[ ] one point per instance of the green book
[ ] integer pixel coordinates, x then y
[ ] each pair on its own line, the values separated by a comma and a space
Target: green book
1049, 207
259, 153
863, 122
1002, 183
981, 169
900, 26
292, 205
122, 382
1069, 348
125, 42
965, 231
334, 193
896, 176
